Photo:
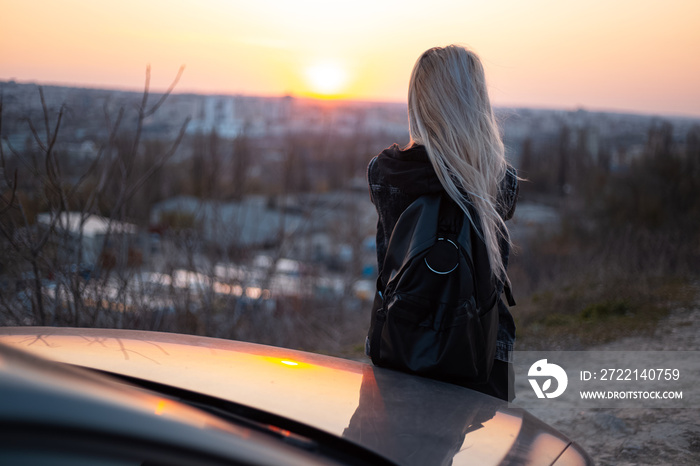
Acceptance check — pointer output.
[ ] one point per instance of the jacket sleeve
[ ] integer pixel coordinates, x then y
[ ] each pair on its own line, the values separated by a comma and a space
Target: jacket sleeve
508, 194
370, 177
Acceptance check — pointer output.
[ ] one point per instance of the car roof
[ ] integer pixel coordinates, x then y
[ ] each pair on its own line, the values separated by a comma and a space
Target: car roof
407, 419
59, 414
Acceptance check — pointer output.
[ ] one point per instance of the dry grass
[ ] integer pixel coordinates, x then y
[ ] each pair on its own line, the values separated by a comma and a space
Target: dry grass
575, 293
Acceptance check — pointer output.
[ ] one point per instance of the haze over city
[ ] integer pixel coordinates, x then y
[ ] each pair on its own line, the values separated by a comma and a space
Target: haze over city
629, 56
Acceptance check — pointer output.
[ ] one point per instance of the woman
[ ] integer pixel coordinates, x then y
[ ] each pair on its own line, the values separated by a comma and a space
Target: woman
455, 147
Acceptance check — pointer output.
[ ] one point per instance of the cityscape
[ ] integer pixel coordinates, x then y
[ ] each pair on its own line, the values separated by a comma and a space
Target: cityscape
199, 240
203, 207
248, 218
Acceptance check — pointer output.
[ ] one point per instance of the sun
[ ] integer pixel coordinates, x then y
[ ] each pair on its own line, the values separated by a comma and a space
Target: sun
326, 79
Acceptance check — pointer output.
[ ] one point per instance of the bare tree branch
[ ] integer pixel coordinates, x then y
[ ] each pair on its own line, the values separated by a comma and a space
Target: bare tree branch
19, 158
46, 113
8, 204
159, 164
91, 169
2, 151
167, 93
146, 87
4, 166
52, 168
37, 138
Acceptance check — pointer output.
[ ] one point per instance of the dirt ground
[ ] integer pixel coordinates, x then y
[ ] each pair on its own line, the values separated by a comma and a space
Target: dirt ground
640, 436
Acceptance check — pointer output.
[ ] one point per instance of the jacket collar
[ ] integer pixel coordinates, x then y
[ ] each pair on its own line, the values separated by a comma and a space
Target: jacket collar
408, 169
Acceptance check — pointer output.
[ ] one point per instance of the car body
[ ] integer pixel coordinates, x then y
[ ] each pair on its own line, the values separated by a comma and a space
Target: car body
243, 403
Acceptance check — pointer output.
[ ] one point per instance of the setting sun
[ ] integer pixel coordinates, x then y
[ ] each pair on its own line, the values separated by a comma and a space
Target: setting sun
544, 53
326, 79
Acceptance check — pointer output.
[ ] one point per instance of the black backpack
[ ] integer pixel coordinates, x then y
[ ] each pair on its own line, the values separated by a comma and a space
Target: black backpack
435, 312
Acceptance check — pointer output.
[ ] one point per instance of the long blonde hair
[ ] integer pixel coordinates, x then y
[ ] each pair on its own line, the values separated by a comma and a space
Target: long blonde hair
450, 113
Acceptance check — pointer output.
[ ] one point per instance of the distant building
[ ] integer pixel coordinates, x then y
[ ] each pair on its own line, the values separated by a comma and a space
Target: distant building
314, 227
93, 240
249, 223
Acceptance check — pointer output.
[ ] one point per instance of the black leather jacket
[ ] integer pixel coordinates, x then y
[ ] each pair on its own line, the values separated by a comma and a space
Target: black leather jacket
398, 177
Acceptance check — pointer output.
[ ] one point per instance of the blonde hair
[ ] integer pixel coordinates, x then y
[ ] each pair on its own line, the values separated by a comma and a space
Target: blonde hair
450, 113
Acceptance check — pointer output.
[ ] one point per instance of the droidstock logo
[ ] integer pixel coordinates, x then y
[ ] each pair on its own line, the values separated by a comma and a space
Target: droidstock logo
547, 371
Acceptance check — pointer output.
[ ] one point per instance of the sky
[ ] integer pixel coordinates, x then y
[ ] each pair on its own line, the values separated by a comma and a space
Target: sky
640, 56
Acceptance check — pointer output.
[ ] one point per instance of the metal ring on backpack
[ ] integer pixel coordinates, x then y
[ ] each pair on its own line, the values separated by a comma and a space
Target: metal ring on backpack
453, 268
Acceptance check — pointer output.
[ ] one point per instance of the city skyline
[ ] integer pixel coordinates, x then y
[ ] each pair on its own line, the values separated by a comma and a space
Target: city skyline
624, 56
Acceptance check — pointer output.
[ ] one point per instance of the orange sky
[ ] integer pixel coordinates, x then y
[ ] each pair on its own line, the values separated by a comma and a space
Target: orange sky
628, 55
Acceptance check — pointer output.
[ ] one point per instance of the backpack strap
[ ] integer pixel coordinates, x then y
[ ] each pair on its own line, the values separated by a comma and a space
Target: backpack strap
509, 294
452, 219
414, 230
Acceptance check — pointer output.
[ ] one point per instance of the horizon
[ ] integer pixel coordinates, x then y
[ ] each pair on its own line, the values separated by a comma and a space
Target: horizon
340, 101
